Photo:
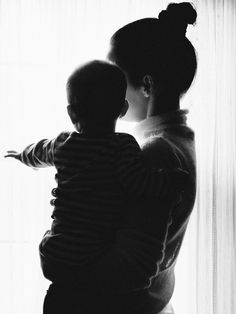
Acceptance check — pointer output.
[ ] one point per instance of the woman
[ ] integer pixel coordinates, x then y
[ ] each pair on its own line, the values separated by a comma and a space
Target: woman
160, 65
136, 274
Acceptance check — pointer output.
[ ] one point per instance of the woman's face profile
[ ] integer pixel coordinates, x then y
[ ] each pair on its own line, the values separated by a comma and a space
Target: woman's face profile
138, 103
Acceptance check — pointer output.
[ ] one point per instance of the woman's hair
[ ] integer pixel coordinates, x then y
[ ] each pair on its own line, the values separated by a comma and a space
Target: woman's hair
158, 47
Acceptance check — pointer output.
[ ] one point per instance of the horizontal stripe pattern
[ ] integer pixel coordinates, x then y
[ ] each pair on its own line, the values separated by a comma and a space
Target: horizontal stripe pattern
95, 175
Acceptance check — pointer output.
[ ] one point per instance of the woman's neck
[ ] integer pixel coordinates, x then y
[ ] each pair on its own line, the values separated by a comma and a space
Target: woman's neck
162, 103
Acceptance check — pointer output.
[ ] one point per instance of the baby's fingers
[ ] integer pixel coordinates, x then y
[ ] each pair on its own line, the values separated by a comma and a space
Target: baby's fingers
13, 154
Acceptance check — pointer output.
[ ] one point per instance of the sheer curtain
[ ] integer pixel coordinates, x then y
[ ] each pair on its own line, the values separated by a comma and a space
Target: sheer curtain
41, 42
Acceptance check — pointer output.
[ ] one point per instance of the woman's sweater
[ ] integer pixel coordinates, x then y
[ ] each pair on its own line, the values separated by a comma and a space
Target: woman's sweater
138, 270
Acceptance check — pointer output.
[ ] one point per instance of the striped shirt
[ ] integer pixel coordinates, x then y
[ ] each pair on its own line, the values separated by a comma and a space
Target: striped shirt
95, 175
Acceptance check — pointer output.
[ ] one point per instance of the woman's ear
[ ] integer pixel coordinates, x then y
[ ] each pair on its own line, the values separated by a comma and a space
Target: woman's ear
72, 114
147, 85
124, 109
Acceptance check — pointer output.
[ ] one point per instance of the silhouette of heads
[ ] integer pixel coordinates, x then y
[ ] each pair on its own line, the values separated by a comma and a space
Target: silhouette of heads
96, 90
158, 47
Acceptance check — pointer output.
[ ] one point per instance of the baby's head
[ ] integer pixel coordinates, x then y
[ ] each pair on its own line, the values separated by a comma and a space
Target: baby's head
96, 93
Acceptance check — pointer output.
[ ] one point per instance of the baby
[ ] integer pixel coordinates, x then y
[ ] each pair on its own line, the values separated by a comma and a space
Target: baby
97, 170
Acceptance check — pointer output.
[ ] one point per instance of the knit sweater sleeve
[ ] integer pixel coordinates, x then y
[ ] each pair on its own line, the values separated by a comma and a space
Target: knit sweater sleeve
41, 154
134, 258
136, 177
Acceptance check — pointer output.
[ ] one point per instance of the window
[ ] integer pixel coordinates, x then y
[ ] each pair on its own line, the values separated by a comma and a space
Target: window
41, 42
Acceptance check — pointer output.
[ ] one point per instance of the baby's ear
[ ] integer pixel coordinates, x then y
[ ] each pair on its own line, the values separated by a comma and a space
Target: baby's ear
124, 109
72, 114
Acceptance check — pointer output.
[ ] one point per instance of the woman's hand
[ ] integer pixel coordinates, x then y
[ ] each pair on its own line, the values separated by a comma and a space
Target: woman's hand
12, 154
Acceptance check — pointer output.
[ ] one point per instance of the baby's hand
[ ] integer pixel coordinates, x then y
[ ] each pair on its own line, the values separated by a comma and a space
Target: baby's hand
16, 155
12, 154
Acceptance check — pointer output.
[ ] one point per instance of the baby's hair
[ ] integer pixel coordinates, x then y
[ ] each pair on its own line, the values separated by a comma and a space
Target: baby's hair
96, 90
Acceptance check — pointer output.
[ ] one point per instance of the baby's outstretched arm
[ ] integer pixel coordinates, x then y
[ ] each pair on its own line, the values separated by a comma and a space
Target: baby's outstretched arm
36, 155
40, 154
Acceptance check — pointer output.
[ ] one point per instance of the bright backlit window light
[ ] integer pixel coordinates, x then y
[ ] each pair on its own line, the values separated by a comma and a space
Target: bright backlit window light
41, 42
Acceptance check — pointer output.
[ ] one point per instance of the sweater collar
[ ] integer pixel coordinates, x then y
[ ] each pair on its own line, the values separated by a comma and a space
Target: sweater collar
161, 122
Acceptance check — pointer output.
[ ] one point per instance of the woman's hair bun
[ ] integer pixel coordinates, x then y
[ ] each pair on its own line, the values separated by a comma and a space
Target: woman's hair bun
184, 11
178, 15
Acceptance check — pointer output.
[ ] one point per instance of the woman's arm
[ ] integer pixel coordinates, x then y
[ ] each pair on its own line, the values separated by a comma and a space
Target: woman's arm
134, 258
131, 262
138, 178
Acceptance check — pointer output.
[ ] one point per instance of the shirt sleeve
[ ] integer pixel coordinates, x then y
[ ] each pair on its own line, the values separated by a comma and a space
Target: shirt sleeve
134, 175
41, 154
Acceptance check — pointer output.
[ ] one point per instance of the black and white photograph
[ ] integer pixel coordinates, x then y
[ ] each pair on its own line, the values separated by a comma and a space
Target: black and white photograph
118, 157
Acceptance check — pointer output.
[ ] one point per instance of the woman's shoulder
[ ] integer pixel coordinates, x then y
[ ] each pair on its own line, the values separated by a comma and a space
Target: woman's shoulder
159, 151
126, 139
156, 143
